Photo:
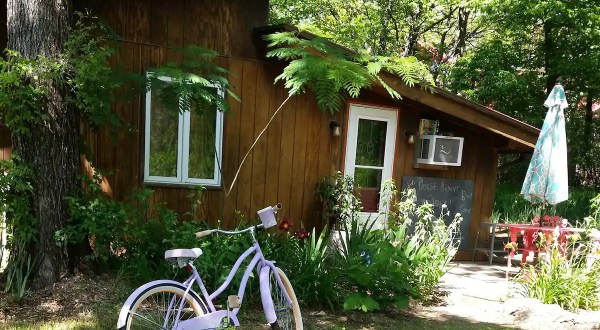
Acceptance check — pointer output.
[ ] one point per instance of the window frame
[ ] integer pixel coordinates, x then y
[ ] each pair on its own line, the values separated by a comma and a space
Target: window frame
183, 145
389, 115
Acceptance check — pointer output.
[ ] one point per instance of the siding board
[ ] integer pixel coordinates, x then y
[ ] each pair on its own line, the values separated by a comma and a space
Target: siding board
248, 98
263, 91
312, 164
231, 140
299, 158
274, 145
288, 119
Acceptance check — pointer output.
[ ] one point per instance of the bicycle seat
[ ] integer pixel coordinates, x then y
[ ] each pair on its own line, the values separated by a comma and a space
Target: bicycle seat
182, 255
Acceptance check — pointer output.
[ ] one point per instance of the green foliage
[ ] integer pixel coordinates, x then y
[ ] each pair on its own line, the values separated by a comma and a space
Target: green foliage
89, 75
24, 84
593, 220
311, 267
83, 69
425, 240
329, 71
565, 281
18, 272
16, 196
511, 207
336, 192
197, 80
376, 271
361, 301
384, 27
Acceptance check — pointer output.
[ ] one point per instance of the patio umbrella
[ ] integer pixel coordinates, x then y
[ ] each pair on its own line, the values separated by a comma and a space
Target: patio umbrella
547, 176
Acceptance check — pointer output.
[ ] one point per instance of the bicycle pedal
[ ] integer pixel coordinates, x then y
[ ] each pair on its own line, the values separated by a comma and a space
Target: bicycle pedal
233, 301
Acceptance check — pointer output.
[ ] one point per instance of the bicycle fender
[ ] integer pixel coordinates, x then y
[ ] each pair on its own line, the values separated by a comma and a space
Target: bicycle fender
131, 299
265, 295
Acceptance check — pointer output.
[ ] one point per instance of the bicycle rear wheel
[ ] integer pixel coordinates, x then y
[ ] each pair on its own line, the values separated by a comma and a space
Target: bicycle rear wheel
158, 307
288, 317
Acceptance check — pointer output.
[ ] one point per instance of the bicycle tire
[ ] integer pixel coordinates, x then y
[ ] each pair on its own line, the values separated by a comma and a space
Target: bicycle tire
143, 303
284, 321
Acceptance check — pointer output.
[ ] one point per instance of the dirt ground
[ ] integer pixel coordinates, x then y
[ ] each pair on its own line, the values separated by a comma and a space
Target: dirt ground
471, 296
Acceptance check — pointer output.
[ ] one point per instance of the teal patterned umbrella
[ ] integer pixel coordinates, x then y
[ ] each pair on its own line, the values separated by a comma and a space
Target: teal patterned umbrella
547, 176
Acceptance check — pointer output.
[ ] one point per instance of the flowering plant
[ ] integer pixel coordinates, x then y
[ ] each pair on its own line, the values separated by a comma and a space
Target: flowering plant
286, 224
301, 234
511, 246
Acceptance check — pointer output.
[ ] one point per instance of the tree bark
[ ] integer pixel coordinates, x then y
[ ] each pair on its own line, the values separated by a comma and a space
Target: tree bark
462, 31
39, 28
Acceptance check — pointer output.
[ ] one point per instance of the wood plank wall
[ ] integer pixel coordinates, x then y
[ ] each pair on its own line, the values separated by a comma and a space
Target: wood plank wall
297, 150
279, 169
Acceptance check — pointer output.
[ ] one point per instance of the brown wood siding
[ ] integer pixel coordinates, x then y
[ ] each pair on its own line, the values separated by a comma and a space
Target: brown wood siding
296, 151
223, 26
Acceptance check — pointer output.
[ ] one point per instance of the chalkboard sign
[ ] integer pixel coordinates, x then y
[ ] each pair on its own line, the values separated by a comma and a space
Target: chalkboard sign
456, 194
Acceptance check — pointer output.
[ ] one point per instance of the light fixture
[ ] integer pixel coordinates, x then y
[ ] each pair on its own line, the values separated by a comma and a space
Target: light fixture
410, 136
336, 130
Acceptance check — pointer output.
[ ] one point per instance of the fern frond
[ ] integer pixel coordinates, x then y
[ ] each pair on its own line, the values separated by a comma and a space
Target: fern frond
331, 73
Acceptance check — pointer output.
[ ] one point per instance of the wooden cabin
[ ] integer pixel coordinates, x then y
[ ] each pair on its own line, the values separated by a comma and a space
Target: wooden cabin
299, 148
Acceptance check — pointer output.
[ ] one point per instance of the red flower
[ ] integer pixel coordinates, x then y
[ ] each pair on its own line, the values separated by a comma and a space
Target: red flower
286, 224
546, 218
301, 234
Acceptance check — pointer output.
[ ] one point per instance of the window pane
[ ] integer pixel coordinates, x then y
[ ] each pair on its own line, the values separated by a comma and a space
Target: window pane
370, 148
369, 182
202, 144
164, 125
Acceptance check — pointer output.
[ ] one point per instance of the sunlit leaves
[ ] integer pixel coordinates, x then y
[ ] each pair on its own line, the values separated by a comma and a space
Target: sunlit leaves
332, 73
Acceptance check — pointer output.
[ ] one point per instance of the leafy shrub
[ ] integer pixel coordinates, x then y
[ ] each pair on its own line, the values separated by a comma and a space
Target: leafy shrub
340, 204
17, 182
424, 239
312, 269
375, 269
16, 195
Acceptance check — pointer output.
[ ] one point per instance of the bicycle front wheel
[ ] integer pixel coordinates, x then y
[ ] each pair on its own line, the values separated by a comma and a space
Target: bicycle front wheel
159, 307
288, 317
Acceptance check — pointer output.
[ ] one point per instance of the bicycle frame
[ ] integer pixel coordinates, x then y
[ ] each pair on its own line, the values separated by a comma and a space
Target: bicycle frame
214, 317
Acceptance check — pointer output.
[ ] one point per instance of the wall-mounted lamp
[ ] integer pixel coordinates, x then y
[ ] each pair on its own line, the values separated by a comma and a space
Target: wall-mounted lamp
410, 136
336, 130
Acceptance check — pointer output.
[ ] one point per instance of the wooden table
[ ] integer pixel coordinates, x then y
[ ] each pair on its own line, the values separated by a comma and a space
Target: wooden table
527, 231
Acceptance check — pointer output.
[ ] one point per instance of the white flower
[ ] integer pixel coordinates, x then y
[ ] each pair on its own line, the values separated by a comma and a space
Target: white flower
444, 206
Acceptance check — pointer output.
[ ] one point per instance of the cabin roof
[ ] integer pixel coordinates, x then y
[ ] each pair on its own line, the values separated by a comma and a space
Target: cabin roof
520, 135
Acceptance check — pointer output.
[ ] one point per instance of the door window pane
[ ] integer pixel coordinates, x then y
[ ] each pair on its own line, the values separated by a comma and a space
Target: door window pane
369, 182
202, 144
370, 149
164, 128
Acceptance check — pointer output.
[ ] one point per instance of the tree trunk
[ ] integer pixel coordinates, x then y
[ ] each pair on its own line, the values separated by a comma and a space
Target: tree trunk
549, 57
462, 30
40, 28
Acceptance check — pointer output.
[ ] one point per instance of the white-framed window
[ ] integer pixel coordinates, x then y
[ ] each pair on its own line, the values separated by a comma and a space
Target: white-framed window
370, 146
182, 147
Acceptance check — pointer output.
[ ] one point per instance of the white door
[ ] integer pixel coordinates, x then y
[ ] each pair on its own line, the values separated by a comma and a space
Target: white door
370, 157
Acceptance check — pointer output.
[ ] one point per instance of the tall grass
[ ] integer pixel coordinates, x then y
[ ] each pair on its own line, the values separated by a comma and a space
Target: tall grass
562, 280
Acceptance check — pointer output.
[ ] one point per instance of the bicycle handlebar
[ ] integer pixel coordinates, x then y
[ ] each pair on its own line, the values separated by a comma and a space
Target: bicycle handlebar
207, 232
